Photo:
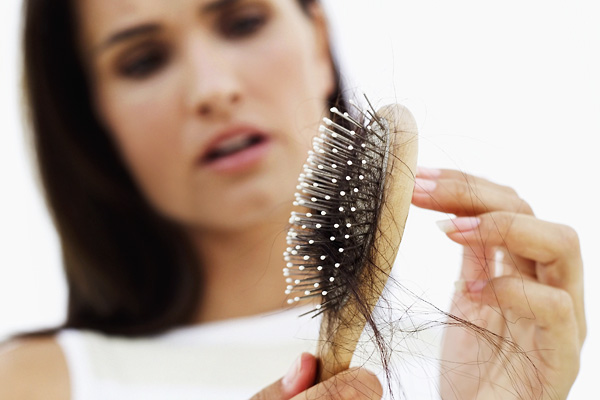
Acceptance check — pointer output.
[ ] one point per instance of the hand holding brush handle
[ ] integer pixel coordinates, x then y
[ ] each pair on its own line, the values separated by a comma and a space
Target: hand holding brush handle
297, 384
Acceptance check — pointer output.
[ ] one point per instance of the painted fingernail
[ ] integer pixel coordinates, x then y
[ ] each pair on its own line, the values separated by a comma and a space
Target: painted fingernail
289, 380
461, 224
424, 185
430, 173
470, 286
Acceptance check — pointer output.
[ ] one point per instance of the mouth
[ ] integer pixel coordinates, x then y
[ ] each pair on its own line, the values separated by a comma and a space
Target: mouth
236, 151
233, 146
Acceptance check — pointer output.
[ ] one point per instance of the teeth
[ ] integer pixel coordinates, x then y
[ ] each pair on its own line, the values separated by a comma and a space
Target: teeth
234, 144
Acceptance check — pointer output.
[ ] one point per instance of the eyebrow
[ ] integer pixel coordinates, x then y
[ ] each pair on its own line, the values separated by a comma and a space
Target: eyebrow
128, 33
146, 29
218, 5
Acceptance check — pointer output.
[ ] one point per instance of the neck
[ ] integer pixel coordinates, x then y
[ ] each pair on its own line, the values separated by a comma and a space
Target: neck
241, 271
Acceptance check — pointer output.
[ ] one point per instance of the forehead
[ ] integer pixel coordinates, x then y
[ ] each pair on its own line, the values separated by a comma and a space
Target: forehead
99, 17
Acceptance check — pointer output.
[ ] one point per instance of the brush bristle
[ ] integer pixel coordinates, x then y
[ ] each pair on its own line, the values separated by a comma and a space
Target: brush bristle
340, 192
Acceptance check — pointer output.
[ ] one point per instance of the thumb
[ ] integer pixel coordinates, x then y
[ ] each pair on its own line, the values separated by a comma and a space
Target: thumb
300, 376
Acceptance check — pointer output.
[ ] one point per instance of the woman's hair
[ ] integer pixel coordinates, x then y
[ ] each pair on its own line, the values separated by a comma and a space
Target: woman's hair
129, 270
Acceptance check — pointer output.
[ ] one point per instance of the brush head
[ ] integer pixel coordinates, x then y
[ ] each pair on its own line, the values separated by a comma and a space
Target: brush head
353, 199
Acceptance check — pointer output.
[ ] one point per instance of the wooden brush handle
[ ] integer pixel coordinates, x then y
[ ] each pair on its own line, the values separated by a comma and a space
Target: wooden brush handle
337, 343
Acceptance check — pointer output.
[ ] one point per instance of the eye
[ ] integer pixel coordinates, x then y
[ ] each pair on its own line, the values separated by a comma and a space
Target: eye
143, 62
242, 24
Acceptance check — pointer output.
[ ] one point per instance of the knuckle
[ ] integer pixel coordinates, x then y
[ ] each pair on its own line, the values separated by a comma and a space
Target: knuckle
510, 190
500, 220
524, 207
358, 385
349, 392
562, 303
464, 192
569, 237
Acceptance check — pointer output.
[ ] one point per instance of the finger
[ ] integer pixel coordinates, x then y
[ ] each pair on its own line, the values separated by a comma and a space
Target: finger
554, 248
550, 309
478, 263
353, 384
479, 259
462, 197
301, 376
434, 174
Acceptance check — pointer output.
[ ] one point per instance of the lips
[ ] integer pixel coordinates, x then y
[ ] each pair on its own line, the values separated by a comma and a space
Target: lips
235, 149
233, 145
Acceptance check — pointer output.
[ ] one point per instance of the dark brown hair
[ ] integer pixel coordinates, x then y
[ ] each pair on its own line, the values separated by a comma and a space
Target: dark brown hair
129, 271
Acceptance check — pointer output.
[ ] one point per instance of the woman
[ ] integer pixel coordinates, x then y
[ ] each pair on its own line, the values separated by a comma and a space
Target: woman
169, 138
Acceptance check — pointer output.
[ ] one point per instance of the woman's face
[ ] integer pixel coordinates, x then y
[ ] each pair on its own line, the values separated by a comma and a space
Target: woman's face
212, 103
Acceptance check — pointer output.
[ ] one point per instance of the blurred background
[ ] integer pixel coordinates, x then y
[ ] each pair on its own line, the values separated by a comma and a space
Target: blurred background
506, 90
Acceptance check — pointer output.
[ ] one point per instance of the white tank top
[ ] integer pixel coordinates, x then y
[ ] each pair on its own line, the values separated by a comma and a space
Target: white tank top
232, 359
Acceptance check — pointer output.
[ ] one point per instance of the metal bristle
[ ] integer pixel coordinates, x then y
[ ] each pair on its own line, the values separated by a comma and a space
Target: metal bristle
339, 192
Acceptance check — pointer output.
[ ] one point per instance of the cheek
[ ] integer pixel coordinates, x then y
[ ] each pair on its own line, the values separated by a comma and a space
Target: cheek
285, 71
144, 123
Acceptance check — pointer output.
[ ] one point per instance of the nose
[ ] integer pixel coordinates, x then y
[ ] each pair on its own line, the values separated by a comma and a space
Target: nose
213, 86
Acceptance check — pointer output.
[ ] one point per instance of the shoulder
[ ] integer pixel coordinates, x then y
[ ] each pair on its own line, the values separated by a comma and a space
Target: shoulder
33, 368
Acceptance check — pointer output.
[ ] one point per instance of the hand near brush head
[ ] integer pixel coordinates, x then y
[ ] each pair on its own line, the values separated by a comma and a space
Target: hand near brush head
355, 384
532, 294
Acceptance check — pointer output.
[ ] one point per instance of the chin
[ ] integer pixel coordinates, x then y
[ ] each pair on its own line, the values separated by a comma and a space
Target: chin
252, 211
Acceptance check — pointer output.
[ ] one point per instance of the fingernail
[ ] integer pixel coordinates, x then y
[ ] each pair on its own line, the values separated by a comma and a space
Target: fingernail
470, 286
430, 173
461, 224
289, 380
424, 185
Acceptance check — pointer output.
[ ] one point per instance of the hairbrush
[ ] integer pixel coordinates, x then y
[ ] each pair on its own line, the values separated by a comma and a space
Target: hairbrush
353, 195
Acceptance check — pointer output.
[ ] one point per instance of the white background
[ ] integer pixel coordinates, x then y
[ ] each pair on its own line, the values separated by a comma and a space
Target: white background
507, 90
